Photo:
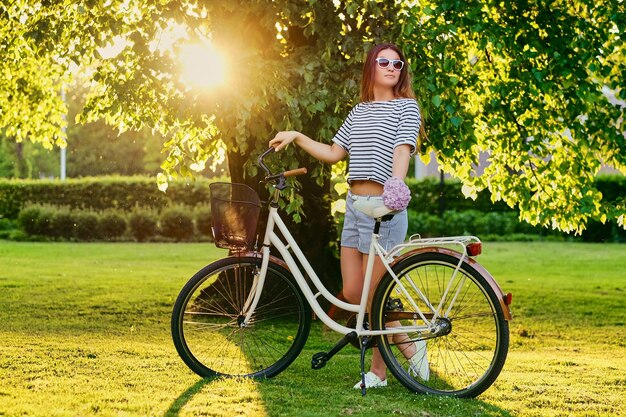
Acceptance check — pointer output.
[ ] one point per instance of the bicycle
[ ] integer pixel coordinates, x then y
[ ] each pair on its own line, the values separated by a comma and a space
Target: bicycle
249, 314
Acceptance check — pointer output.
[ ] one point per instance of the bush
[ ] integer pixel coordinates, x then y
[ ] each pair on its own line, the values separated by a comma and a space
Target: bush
17, 235
495, 223
203, 220
177, 223
430, 196
112, 225
527, 228
460, 223
87, 226
36, 220
6, 224
514, 237
28, 219
43, 224
472, 222
7, 228
63, 224
142, 224
424, 224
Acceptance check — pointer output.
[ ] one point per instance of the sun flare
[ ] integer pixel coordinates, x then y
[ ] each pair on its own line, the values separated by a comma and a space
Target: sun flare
202, 66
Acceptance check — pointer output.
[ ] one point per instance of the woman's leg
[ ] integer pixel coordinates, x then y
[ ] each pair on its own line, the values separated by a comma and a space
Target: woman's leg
378, 364
351, 274
353, 264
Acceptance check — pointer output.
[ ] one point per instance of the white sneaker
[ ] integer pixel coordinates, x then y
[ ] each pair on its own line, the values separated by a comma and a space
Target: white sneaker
371, 381
419, 362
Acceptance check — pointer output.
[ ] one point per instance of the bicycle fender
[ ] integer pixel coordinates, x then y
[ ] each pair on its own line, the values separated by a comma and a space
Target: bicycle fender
471, 262
273, 259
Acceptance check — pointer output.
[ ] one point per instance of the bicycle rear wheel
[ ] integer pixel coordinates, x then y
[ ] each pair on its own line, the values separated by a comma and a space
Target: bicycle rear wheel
463, 359
208, 314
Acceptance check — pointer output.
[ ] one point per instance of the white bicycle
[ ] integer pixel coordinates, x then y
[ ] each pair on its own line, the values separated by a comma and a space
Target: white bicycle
249, 314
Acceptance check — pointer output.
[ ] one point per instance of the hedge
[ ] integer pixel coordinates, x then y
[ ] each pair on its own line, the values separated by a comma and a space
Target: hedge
124, 193
427, 192
47, 222
99, 193
426, 197
485, 218
140, 196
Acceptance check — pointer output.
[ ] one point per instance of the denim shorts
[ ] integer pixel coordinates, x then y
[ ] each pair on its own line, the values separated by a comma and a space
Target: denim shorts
358, 228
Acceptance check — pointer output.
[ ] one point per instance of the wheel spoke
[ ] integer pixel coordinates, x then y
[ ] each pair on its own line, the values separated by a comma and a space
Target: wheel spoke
206, 328
468, 358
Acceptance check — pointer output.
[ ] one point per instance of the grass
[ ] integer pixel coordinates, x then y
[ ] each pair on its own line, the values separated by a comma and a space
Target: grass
84, 331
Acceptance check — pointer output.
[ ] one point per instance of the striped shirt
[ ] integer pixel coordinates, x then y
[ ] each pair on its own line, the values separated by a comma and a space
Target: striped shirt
372, 131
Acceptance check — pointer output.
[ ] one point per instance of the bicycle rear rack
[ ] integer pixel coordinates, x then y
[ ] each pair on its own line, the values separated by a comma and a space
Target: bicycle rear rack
472, 246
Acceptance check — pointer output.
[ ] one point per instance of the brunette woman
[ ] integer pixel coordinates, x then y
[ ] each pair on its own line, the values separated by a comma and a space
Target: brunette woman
379, 136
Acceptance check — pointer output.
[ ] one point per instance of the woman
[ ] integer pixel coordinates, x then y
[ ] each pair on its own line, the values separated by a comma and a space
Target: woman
379, 135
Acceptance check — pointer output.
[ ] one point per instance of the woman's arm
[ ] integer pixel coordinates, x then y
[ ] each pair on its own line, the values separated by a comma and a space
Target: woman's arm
401, 158
396, 194
321, 151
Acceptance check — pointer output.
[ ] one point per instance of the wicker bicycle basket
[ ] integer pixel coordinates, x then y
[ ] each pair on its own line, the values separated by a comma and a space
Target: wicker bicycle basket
234, 215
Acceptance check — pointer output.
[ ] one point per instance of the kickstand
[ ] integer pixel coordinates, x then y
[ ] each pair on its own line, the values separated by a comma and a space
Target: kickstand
364, 345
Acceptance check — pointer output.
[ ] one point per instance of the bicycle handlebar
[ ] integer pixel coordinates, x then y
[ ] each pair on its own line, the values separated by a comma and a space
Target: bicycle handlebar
270, 176
295, 172
262, 165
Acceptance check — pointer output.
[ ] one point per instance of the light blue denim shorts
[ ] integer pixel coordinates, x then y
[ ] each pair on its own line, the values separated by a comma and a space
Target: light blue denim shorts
358, 228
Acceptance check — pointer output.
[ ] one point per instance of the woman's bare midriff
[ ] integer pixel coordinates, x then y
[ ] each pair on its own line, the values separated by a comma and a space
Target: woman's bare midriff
366, 187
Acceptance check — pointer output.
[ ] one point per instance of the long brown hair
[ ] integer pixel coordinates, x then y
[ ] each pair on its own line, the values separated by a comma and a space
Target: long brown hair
404, 87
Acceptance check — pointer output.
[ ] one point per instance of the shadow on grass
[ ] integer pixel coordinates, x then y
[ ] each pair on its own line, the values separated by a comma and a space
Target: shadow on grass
326, 399
328, 392
185, 397
300, 390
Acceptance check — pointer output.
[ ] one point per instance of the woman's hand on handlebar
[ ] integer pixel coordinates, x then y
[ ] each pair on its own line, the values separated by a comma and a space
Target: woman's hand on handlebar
282, 139
320, 151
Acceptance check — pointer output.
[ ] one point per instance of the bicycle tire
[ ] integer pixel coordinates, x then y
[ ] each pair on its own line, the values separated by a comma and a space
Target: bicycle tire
208, 311
463, 362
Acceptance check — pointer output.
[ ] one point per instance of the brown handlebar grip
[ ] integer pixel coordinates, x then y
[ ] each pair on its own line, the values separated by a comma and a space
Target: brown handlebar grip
294, 172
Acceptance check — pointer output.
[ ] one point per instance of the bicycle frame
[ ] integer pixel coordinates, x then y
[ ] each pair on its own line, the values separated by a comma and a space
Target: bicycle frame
376, 250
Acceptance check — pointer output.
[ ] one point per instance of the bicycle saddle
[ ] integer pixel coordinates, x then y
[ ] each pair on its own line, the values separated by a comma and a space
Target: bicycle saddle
372, 206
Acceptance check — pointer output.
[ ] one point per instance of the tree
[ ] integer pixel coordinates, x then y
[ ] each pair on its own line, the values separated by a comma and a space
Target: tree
26, 160
97, 149
522, 80
527, 81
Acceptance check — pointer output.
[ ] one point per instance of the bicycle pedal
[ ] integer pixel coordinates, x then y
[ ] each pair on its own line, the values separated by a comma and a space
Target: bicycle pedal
319, 360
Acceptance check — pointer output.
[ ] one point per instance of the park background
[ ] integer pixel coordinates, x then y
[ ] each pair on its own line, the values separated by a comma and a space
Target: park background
116, 117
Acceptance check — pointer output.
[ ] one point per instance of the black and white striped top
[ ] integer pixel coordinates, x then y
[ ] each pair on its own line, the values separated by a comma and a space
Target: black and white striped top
372, 131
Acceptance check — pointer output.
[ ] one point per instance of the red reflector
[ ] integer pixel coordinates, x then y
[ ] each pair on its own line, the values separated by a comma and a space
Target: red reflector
508, 298
474, 249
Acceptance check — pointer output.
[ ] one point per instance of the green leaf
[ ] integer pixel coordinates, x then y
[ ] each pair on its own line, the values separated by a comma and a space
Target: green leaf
428, 11
456, 121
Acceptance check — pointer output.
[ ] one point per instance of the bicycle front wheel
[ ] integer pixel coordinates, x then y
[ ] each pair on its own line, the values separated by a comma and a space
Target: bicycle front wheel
467, 352
207, 321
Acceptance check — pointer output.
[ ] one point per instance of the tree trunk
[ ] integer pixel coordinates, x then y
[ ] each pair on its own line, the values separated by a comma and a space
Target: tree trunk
314, 233
21, 166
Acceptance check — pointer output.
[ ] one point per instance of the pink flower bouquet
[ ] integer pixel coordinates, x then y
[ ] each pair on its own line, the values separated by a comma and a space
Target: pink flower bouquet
396, 194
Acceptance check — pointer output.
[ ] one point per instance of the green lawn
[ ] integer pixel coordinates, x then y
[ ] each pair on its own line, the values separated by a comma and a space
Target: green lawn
84, 331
